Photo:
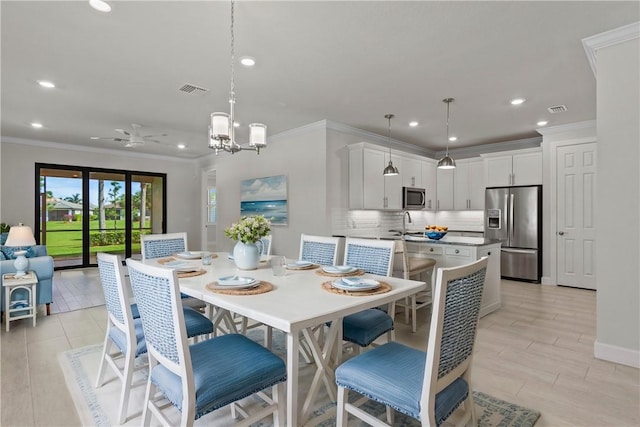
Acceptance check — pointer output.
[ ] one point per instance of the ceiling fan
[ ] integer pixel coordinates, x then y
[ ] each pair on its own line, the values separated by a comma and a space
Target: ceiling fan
132, 139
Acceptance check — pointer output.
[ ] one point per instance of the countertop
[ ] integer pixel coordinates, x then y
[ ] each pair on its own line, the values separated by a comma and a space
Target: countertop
446, 240
453, 240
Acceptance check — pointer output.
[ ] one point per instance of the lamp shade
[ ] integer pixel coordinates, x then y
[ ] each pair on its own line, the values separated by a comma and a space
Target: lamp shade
257, 135
446, 163
20, 235
390, 170
220, 125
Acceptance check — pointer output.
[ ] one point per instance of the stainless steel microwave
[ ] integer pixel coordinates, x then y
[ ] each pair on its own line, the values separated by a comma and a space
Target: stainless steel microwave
413, 198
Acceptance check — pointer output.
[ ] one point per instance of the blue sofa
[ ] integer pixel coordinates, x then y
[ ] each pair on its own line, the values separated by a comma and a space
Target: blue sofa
42, 264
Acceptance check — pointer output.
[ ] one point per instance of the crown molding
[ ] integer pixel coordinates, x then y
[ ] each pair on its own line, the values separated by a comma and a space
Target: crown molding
475, 151
61, 146
567, 128
608, 38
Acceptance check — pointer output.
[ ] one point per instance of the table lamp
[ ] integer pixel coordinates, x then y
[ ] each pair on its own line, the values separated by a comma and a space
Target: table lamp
20, 236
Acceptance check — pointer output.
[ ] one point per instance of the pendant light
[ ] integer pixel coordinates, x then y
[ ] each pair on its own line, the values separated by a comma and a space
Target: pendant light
222, 127
390, 170
447, 162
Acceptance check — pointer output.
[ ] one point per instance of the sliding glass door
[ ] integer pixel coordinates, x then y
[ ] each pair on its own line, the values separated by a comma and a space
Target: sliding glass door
82, 211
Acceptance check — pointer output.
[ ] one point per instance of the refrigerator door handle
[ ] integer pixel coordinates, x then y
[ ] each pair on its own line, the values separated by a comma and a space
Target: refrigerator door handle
511, 227
519, 251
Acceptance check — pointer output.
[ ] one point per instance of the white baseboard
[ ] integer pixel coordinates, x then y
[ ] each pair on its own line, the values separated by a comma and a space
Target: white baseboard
547, 280
613, 353
490, 308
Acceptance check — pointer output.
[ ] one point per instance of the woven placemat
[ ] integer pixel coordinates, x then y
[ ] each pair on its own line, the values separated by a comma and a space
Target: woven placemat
307, 267
165, 260
183, 274
262, 288
382, 289
358, 272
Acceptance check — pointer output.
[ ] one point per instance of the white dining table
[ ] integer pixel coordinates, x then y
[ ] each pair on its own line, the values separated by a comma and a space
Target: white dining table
296, 305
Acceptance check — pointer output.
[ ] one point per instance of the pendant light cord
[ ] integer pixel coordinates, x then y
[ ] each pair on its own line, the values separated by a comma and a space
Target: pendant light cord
448, 101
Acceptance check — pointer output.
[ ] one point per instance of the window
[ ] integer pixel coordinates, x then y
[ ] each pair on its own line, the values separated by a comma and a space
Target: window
211, 205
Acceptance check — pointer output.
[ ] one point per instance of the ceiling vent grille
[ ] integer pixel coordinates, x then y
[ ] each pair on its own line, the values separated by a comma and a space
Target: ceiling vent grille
193, 89
557, 109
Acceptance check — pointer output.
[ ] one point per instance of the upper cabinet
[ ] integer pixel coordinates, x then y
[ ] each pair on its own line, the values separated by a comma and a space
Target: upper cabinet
523, 167
429, 183
444, 189
468, 185
411, 172
368, 188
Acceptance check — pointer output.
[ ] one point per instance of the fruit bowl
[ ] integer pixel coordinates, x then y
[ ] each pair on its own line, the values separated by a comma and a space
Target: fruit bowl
435, 235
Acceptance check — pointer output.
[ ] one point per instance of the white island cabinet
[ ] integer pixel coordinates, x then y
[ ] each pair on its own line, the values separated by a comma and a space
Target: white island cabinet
452, 251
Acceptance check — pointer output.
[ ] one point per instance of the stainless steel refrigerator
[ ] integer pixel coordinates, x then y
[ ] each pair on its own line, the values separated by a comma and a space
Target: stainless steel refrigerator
513, 215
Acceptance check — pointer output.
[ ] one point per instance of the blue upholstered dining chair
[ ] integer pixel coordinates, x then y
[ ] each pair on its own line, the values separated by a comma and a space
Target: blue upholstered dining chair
123, 332
431, 385
319, 249
202, 377
375, 257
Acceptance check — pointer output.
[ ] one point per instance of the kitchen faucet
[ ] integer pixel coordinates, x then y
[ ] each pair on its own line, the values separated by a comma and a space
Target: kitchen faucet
405, 215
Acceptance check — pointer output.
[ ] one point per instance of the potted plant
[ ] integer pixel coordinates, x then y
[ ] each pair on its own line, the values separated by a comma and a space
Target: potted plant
247, 232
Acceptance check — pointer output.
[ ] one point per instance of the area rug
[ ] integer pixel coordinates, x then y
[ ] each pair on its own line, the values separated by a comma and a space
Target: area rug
99, 406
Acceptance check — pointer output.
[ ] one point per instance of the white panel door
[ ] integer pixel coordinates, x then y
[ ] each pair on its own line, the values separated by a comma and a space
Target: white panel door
576, 167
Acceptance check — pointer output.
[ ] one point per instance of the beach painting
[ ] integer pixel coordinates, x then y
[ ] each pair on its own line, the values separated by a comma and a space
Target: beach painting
265, 196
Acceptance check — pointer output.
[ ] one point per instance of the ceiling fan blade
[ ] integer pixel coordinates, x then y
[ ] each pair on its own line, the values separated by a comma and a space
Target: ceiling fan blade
153, 140
97, 138
122, 131
154, 136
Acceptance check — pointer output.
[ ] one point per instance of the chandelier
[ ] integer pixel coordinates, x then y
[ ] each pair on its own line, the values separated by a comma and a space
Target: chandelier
447, 162
222, 129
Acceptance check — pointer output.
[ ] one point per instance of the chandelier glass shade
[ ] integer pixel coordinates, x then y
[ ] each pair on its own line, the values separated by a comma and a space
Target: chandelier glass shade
222, 129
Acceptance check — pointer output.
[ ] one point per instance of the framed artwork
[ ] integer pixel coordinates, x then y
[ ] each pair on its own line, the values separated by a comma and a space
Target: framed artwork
265, 196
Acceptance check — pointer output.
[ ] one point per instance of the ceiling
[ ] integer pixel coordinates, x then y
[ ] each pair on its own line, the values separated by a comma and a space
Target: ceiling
348, 62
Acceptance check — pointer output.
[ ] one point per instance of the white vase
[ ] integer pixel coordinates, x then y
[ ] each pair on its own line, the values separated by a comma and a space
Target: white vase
246, 256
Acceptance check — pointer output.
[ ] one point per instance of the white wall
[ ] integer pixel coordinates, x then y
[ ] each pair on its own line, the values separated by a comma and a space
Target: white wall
618, 233
301, 155
18, 181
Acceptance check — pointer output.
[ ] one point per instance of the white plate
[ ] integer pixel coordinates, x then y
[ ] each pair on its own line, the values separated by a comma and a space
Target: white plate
337, 269
355, 284
190, 254
300, 264
179, 266
236, 282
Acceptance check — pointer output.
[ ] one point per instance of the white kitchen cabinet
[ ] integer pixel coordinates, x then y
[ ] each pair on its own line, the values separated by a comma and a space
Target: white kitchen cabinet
513, 168
444, 192
468, 188
429, 183
368, 188
452, 255
411, 172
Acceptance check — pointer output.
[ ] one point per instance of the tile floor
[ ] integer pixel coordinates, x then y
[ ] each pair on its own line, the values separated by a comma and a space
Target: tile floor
536, 351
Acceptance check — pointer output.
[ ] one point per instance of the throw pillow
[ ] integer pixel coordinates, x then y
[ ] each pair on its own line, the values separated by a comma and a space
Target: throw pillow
3, 238
10, 252
2, 257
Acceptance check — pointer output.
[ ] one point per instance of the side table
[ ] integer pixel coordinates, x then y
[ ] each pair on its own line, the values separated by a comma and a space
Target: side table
25, 305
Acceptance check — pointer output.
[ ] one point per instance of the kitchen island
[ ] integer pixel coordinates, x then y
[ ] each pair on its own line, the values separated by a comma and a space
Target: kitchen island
451, 251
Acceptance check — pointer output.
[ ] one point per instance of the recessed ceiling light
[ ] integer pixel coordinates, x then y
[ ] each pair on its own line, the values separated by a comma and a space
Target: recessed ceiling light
453, 138
47, 84
182, 146
517, 101
36, 125
100, 5
542, 123
413, 124
95, 137
247, 61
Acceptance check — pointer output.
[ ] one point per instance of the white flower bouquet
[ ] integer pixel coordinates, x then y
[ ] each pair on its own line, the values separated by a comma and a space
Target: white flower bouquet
249, 229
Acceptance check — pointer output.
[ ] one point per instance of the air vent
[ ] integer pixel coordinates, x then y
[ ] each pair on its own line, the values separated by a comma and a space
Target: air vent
193, 89
557, 109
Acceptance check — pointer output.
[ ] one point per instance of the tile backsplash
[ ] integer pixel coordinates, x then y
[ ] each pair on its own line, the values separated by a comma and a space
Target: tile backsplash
362, 222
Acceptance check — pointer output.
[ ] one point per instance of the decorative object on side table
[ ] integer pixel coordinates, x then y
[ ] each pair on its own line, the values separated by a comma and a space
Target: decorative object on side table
21, 238
247, 232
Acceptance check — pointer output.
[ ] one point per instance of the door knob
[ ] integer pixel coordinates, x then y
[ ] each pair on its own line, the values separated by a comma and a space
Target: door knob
561, 233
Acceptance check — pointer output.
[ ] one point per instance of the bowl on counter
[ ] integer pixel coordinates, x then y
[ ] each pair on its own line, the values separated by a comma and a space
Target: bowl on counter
435, 235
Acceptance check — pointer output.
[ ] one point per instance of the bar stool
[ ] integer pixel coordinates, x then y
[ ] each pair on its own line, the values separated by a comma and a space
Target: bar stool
414, 266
